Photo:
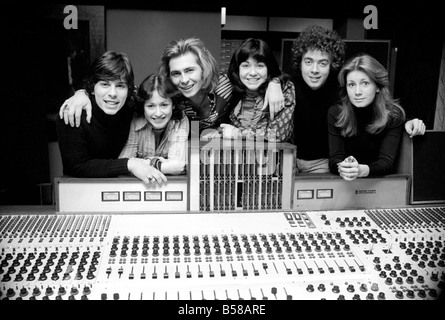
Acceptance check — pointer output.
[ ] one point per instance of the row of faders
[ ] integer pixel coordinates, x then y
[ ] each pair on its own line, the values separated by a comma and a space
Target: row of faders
242, 180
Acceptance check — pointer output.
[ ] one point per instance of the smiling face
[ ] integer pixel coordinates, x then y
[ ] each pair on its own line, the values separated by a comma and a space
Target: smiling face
361, 89
158, 110
252, 73
186, 74
315, 67
110, 96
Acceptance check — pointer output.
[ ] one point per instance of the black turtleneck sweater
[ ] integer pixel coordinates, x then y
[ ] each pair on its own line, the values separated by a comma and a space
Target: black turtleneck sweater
310, 117
92, 150
378, 151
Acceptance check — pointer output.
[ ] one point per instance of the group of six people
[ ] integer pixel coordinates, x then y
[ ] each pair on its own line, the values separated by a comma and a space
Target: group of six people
341, 116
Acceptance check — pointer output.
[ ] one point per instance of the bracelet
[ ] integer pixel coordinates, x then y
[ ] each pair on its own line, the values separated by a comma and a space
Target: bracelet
155, 163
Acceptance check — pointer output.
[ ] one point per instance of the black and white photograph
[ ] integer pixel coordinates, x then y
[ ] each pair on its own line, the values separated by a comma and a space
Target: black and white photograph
222, 159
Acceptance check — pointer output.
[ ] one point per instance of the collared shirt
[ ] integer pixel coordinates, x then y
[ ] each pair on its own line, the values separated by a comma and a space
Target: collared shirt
141, 141
218, 104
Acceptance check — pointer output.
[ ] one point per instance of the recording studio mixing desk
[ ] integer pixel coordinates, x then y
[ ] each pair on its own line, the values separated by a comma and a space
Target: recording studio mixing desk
383, 254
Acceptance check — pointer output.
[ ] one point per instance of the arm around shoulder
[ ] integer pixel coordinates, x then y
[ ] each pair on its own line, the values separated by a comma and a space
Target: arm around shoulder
71, 109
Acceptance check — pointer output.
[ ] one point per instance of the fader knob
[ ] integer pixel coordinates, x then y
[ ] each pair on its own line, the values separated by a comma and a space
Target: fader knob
435, 276
432, 293
36, 291
30, 277
86, 290
49, 291
23, 292
420, 279
74, 291
421, 293
10, 293
375, 287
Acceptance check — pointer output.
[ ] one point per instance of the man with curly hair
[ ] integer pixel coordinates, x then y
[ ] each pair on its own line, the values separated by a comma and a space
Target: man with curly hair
318, 54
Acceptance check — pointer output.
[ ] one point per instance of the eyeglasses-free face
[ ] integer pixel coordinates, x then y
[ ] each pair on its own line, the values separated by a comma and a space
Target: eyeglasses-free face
252, 73
186, 74
361, 89
110, 96
158, 110
315, 67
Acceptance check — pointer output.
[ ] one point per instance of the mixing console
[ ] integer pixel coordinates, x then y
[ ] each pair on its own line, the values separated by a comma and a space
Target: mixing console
384, 254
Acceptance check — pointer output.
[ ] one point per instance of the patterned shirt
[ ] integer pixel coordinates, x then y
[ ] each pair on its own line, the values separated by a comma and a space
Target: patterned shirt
255, 123
218, 104
141, 141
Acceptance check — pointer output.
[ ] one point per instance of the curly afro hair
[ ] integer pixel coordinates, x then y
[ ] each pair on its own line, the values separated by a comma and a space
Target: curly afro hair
319, 38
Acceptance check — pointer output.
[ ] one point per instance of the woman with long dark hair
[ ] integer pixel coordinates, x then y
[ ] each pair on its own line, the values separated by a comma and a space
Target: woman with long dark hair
366, 126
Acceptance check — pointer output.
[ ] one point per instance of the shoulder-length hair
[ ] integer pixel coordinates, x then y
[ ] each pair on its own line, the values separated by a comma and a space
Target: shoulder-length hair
385, 108
204, 58
112, 66
259, 50
166, 89
322, 39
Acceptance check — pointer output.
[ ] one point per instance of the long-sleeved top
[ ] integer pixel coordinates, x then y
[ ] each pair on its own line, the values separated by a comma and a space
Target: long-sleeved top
218, 104
255, 123
141, 141
92, 149
310, 121
378, 151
